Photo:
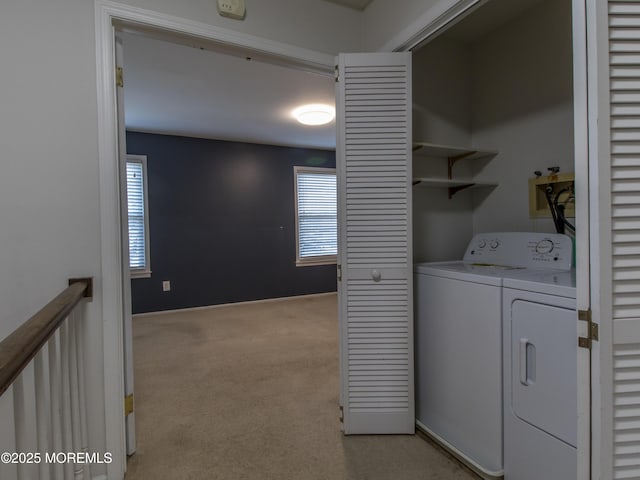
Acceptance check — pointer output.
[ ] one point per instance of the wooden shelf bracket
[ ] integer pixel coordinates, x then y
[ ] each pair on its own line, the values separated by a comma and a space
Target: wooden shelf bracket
454, 190
451, 161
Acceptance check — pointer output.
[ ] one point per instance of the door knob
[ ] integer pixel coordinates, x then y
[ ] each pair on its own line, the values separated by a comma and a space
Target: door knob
376, 275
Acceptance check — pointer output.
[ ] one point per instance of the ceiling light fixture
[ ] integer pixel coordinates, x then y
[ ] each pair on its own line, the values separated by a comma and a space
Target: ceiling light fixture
314, 114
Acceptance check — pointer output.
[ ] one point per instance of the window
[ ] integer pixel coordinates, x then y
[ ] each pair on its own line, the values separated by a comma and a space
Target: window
316, 216
137, 207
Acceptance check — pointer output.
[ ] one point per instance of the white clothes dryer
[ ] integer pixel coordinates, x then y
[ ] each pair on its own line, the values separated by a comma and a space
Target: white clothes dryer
458, 341
540, 376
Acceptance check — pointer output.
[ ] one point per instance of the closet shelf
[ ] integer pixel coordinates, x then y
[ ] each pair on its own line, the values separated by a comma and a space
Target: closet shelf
454, 186
452, 155
435, 150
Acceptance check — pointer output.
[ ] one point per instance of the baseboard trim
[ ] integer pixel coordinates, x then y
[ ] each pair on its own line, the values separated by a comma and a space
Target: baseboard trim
250, 302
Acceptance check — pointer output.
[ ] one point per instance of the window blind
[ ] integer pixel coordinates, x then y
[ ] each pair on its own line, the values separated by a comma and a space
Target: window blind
317, 214
135, 205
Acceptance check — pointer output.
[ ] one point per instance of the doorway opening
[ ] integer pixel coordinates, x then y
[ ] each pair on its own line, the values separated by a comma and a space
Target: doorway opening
213, 123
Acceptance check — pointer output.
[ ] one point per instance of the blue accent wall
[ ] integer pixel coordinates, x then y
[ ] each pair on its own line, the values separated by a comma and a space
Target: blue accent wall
221, 222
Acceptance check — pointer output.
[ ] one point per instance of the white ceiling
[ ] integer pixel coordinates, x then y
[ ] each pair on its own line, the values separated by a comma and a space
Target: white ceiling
181, 90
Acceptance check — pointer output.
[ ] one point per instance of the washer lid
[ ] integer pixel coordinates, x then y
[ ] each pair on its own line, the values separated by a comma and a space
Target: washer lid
468, 272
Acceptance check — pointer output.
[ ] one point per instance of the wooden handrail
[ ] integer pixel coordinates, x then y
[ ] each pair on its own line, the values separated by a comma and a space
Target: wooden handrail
19, 348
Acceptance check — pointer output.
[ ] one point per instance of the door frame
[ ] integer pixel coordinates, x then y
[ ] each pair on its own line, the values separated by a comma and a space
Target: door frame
587, 374
108, 15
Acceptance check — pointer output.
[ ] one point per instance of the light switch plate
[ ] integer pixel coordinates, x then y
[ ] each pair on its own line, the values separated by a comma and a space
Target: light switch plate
232, 8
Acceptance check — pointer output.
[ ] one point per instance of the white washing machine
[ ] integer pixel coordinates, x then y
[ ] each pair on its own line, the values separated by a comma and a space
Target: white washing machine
540, 376
458, 335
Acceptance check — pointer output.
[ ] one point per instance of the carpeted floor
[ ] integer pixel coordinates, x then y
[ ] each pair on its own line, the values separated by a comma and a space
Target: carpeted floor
251, 392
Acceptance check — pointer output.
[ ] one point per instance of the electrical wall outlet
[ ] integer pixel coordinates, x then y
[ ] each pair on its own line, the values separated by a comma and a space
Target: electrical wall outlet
232, 8
166, 285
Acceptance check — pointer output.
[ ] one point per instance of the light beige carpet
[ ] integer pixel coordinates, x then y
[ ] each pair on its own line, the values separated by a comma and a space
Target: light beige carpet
251, 392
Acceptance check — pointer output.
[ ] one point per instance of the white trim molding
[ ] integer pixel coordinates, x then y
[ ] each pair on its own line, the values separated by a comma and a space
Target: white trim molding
433, 21
111, 248
135, 18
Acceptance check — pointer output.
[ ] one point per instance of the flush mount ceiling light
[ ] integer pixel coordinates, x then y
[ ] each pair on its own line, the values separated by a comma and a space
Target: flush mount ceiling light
314, 114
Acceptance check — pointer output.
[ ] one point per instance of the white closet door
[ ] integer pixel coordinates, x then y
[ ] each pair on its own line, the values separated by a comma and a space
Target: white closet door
374, 193
624, 82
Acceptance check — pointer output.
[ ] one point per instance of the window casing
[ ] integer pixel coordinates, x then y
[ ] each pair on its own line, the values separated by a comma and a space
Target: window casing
316, 216
138, 216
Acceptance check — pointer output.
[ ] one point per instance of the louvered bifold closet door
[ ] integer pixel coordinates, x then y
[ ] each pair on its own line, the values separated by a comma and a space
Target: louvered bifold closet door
374, 165
624, 44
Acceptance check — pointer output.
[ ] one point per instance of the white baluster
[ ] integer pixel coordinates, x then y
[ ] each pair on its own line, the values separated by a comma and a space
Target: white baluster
55, 383
8, 471
80, 339
43, 410
67, 431
76, 430
24, 401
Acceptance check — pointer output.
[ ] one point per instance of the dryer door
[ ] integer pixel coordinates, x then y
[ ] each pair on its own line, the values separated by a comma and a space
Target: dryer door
543, 367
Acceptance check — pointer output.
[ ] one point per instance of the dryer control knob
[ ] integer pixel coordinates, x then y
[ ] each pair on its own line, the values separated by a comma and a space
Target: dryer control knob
544, 246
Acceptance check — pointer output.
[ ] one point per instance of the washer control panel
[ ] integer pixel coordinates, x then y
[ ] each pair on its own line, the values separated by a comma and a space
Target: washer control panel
521, 249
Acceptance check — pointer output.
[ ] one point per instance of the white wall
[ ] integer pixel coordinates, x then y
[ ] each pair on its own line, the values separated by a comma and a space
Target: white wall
442, 93
49, 208
322, 26
442, 227
522, 105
